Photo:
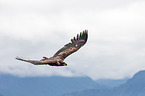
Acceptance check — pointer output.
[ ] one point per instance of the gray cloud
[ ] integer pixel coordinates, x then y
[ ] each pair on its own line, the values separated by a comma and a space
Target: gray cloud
33, 29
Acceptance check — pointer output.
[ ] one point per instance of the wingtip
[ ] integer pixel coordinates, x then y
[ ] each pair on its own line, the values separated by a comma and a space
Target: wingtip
18, 58
84, 35
85, 31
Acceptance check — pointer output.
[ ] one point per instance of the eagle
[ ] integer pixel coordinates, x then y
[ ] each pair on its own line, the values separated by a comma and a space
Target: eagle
58, 58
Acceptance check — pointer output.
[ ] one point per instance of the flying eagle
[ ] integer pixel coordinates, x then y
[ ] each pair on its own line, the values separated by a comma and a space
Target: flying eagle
58, 58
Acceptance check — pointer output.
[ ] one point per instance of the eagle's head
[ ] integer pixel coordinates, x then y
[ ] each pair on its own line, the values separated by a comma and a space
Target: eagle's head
64, 64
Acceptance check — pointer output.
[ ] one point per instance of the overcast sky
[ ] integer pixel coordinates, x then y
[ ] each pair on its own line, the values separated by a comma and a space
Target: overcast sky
37, 28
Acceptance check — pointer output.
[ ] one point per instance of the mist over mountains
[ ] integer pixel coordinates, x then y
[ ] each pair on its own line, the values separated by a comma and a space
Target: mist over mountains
70, 86
44, 86
133, 87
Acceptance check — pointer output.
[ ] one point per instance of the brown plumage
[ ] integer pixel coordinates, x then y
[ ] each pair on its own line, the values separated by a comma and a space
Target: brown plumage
58, 58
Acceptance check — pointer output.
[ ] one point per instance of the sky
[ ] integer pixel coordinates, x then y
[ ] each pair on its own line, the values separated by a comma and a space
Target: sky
35, 28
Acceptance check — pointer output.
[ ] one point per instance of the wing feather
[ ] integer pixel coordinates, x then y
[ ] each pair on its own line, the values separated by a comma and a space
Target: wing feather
45, 62
73, 46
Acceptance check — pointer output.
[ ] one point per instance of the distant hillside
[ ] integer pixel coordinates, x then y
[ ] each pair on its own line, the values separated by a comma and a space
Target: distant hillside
111, 83
44, 86
133, 87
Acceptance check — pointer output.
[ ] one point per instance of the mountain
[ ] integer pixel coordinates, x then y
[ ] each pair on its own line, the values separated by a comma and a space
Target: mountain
44, 86
68, 86
111, 83
133, 87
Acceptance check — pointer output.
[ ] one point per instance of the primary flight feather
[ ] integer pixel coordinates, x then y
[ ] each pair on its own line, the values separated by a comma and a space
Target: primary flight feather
58, 58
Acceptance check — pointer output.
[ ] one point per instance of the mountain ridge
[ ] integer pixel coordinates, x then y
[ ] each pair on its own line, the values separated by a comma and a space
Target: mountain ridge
42, 86
135, 86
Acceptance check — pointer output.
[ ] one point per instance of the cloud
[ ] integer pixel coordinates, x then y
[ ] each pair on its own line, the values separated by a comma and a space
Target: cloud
33, 29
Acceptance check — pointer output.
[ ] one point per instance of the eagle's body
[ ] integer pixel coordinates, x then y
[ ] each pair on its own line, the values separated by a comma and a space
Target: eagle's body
60, 55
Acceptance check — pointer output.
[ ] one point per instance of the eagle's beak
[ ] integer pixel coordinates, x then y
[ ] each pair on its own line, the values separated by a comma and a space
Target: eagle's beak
65, 64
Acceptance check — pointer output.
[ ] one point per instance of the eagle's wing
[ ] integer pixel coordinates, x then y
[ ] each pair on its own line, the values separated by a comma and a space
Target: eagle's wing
73, 46
41, 62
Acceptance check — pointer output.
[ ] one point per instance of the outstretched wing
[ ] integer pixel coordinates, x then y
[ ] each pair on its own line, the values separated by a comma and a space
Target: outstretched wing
73, 46
41, 62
